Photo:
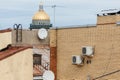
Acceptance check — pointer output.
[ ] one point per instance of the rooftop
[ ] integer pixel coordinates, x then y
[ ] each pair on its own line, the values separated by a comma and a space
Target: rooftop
11, 50
5, 30
74, 26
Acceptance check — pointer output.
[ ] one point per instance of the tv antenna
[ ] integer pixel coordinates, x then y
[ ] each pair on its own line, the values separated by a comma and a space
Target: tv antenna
54, 10
54, 6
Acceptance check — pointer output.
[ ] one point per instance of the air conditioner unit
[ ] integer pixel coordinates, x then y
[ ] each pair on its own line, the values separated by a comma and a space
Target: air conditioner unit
87, 50
77, 60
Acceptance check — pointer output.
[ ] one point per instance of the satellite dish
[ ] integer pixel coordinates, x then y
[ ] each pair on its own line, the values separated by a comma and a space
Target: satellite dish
42, 33
48, 75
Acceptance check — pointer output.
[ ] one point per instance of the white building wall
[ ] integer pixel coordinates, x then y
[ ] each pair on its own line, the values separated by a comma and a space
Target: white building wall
17, 67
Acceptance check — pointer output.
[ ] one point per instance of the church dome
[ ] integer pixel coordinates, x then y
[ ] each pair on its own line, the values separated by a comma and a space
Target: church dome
41, 14
40, 19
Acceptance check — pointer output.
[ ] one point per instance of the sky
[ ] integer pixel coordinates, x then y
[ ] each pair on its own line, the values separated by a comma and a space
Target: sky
67, 12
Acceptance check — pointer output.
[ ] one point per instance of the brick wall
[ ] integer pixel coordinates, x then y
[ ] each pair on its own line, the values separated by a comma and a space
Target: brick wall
53, 52
105, 40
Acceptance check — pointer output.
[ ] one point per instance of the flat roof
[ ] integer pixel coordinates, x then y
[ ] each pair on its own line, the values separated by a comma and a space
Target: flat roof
75, 26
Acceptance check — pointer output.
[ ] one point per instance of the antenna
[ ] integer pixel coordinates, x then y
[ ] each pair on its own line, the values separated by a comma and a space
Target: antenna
54, 10
54, 6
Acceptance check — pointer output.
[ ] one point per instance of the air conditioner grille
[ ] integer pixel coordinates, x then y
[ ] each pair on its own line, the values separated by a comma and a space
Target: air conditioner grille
84, 50
74, 59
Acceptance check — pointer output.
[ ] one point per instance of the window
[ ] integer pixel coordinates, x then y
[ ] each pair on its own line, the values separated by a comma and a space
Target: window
37, 59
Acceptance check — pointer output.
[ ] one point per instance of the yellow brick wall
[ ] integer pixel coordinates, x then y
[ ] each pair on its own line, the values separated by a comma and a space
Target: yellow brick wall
17, 67
52, 38
118, 18
105, 40
5, 39
108, 19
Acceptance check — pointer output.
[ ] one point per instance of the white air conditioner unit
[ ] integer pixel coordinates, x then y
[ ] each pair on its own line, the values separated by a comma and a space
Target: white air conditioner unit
77, 60
87, 50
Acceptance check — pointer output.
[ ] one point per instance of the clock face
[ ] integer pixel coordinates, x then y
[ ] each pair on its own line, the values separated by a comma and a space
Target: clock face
42, 33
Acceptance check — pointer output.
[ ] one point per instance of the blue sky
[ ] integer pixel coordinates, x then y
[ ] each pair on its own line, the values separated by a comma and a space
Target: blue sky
73, 12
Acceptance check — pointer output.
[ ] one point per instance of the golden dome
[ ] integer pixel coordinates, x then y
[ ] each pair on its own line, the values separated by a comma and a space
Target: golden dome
41, 15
